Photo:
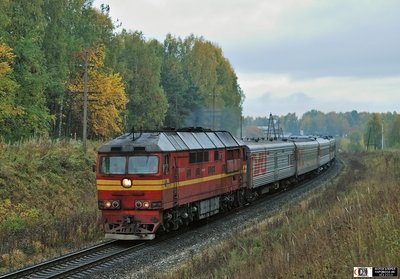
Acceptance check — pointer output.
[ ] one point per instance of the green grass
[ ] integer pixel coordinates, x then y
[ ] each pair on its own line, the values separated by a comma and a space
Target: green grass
354, 221
48, 202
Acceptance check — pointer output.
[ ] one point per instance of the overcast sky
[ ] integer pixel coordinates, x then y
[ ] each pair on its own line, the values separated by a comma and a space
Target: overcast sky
289, 55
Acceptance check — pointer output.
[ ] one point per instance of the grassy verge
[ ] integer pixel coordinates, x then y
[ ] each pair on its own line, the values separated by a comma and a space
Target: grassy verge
48, 203
353, 222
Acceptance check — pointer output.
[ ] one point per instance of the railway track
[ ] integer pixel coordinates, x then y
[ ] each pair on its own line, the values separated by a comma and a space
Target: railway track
78, 262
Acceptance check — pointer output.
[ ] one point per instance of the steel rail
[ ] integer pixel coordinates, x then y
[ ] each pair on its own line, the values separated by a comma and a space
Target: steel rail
75, 262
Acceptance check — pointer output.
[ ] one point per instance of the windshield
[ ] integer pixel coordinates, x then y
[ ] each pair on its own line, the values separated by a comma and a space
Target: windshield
136, 164
143, 164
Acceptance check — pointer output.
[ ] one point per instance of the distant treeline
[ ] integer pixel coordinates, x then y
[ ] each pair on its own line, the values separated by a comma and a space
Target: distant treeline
360, 130
47, 46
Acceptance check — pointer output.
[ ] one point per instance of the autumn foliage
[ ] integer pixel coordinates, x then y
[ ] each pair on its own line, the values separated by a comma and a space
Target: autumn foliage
8, 108
107, 98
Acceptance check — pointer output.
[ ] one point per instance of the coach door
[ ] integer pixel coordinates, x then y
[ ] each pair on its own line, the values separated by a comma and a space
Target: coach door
276, 168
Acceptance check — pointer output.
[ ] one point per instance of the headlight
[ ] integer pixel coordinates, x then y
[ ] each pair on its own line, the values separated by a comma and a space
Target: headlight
146, 204
138, 204
126, 183
115, 204
109, 204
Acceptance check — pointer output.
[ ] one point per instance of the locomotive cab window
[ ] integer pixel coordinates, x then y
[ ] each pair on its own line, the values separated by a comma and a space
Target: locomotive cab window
113, 165
143, 164
136, 164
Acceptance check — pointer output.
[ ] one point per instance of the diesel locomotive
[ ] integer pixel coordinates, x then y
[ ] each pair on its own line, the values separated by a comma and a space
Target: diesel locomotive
161, 180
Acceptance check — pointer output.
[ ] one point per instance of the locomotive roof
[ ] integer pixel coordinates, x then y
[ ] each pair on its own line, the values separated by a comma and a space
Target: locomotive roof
159, 141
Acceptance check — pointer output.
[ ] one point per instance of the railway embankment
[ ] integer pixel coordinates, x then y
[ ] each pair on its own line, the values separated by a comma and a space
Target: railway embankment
48, 202
352, 221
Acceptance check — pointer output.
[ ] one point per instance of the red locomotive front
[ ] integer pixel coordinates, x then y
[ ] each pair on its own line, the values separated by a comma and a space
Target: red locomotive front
164, 179
130, 193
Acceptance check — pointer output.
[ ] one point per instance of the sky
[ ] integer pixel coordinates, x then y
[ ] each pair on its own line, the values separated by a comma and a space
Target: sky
290, 56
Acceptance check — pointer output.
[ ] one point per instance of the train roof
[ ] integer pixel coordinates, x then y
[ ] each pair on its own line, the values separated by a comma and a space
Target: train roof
270, 145
176, 140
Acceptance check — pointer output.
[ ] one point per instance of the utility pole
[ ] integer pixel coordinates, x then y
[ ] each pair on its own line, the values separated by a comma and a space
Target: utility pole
85, 101
176, 110
241, 126
213, 116
60, 117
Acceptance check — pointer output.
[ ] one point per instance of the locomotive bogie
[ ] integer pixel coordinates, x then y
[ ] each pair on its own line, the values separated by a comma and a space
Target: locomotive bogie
131, 224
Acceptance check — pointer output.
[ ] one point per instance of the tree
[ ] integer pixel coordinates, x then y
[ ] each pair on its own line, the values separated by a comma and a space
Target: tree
107, 98
355, 141
290, 124
394, 133
59, 44
139, 63
71, 25
214, 95
8, 108
174, 83
24, 33
373, 132
312, 123
231, 95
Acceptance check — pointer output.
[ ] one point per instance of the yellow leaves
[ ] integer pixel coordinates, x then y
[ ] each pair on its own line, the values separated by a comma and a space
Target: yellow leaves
106, 95
6, 58
202, 67
8, 108
95, 56
106, 103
